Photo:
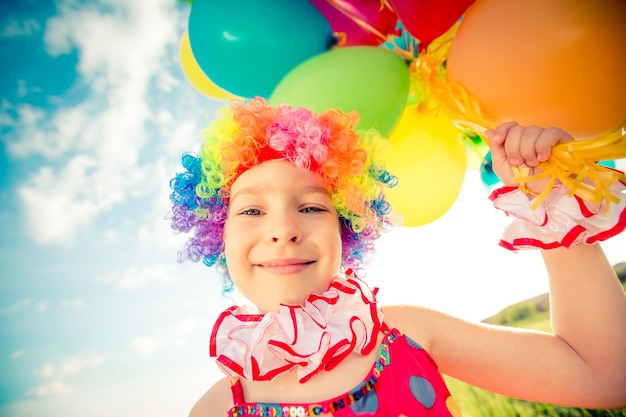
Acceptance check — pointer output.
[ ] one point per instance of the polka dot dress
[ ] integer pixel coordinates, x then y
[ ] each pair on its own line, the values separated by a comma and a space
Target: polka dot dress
404, 382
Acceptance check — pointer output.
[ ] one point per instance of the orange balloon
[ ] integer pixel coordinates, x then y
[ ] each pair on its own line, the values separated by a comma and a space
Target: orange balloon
547, 63
194, 74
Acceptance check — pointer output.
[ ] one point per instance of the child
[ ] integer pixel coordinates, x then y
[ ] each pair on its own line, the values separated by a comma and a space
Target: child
288, 204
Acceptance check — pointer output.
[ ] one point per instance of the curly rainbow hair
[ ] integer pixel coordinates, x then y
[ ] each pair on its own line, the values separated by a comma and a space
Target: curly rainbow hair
248, 134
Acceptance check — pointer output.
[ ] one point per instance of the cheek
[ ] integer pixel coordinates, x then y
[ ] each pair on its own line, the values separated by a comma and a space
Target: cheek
336, 243
229, 248
339, 252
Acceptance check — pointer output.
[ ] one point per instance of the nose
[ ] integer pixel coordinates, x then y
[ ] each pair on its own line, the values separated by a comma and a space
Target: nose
285, 230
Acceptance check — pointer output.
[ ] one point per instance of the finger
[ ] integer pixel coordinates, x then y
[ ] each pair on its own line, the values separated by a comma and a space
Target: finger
496, 138
528, 142
547, 140
498, 135
512, 146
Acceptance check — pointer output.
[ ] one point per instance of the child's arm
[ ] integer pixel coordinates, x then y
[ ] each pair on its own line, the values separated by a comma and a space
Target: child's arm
215, 402
583, 362
587, 302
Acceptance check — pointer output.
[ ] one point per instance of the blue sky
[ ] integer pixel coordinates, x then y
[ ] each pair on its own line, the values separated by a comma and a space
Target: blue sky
97, 318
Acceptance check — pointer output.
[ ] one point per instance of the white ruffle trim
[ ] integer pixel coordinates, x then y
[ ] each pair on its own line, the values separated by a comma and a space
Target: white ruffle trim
310, 337
561, 220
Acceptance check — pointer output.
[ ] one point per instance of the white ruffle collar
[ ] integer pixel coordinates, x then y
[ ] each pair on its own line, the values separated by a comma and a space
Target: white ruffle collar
310, 337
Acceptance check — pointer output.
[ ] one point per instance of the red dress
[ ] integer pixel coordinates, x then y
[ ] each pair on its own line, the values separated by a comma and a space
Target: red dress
403, 382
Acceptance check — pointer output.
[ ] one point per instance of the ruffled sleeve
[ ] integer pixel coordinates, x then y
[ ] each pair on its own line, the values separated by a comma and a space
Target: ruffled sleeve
561, 220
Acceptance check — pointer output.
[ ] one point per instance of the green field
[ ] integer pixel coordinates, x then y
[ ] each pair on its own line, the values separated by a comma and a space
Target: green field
474, 402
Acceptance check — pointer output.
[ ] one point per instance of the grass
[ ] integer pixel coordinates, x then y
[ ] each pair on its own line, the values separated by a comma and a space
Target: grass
475, 402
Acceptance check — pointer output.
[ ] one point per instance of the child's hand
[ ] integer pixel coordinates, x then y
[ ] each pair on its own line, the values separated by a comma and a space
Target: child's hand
513, 145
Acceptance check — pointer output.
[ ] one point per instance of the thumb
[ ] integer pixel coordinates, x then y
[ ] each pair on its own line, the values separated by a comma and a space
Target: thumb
496, 140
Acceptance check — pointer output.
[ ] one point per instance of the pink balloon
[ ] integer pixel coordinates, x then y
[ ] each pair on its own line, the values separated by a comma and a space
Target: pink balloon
359, 22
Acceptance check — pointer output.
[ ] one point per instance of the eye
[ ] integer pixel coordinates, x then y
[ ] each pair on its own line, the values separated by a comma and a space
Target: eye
313, 209
250, 212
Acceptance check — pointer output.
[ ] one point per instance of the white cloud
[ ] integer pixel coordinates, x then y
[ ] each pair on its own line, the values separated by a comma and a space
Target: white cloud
23, 89
41, 306
132, 278
111, 235
17, 307
58, 204
183, 136
17, 354
70, 367
143, 347
5, 118
74, 303
51, 389
23, 28
50, 137
26, 304
176, 335
121, 45
56, 373
121, 56
46, 372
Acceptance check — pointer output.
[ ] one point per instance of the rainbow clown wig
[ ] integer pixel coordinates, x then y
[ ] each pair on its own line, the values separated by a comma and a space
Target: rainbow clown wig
248, 134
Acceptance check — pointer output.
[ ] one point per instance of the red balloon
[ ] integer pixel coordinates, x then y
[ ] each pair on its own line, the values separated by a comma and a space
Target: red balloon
426, 20
359, 22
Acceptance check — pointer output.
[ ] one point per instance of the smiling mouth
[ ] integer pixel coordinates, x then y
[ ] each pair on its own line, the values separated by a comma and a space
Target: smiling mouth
283, 264
287, 266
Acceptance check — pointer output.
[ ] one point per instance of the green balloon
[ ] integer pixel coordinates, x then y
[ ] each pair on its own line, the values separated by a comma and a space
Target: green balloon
371, 80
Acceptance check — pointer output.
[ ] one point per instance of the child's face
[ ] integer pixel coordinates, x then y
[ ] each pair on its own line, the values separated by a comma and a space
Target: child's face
282, 236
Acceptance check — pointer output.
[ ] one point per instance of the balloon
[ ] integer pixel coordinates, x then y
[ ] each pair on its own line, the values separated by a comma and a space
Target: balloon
246, 47
547, 63
607, 163
403, 41
194, 74
489, 178
476, 150
358, 22
371, 80
428, 156
427, 19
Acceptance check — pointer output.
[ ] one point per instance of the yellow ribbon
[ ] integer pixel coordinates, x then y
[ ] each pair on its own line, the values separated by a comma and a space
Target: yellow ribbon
573, 163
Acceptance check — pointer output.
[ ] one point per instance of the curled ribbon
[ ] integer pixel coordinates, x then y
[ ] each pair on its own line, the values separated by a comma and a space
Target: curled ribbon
575, 163
341, 36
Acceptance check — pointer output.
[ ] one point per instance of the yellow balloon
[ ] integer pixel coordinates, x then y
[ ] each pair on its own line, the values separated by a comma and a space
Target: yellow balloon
427, 154
196, 77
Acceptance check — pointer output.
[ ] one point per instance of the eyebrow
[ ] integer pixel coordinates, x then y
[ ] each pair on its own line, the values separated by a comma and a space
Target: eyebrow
255, 190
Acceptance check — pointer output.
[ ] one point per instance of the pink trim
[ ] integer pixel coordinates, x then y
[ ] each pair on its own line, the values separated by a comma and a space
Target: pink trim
584, 210
571, 236
498, 192
525, 242
237, 392
614, 231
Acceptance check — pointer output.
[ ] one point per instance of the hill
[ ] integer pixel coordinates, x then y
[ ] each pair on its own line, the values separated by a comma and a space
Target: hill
534, 311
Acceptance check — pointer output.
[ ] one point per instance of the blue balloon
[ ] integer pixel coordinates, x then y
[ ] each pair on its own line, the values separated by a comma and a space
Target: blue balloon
247, 46
489, 178
607, 163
